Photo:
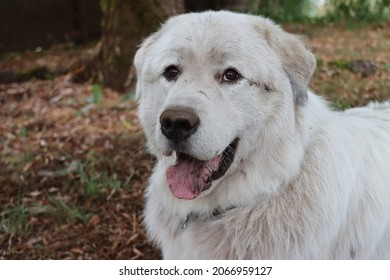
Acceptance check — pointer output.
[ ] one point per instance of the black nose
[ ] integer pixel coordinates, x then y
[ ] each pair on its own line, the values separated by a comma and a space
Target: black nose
178, 124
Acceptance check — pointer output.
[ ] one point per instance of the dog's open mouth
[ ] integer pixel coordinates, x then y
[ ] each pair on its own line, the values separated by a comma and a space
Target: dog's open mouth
190, 176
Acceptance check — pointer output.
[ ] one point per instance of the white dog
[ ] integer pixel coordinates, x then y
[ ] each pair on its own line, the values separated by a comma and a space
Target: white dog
251, 164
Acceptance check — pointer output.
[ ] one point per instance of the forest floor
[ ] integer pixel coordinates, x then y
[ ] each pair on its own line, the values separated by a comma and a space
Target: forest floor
73, 163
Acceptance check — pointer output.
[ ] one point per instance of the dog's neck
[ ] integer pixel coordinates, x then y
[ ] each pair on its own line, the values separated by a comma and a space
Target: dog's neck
217, 213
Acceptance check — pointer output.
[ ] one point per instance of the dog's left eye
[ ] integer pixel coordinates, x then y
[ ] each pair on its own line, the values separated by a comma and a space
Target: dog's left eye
171, 72
230, 75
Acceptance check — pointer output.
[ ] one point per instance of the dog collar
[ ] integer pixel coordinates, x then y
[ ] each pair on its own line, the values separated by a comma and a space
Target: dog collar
214, 215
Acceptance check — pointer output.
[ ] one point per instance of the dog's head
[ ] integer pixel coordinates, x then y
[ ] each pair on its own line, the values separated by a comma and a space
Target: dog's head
210, 85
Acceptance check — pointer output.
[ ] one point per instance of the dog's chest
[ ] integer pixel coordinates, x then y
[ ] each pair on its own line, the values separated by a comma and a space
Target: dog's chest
194, 238
191, 237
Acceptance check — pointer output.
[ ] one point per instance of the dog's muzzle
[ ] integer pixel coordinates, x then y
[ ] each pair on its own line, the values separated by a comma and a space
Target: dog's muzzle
190, 176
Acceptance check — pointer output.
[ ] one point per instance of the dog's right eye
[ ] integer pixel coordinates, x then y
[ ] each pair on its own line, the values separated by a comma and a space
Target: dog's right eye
231, 75
171, 73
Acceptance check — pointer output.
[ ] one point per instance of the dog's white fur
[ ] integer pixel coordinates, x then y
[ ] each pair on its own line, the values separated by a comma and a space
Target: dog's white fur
306, 182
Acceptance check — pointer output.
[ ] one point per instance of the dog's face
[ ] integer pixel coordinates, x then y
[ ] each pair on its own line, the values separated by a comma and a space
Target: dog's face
210, 85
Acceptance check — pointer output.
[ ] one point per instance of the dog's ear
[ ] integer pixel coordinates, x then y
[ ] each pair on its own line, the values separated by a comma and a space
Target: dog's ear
140, 57
298, 62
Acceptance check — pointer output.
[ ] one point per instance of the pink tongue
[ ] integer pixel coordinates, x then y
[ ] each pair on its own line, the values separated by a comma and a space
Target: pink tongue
189, 177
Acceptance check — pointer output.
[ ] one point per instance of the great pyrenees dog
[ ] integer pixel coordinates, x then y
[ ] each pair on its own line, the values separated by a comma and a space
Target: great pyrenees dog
250, 163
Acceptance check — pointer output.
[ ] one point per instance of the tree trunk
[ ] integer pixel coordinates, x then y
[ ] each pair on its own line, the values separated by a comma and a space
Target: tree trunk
124, 24
234, 5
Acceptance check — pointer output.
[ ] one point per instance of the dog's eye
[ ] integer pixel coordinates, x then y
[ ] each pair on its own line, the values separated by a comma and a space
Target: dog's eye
230, 75
171, 73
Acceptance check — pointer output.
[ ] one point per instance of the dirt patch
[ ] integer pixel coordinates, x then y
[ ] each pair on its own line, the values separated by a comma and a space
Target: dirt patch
72, 174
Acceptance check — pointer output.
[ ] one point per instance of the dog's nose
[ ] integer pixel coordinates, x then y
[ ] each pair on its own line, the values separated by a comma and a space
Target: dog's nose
178, 124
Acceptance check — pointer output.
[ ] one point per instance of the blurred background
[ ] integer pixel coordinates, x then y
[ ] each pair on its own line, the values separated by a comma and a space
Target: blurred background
26, 24
73, 162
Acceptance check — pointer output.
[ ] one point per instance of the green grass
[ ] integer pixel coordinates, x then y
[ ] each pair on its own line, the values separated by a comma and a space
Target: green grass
97, 94
341, 64
28, 156
95, 183
23, 133
92, 101
66, 211
14, 220
355, 12
19, 161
